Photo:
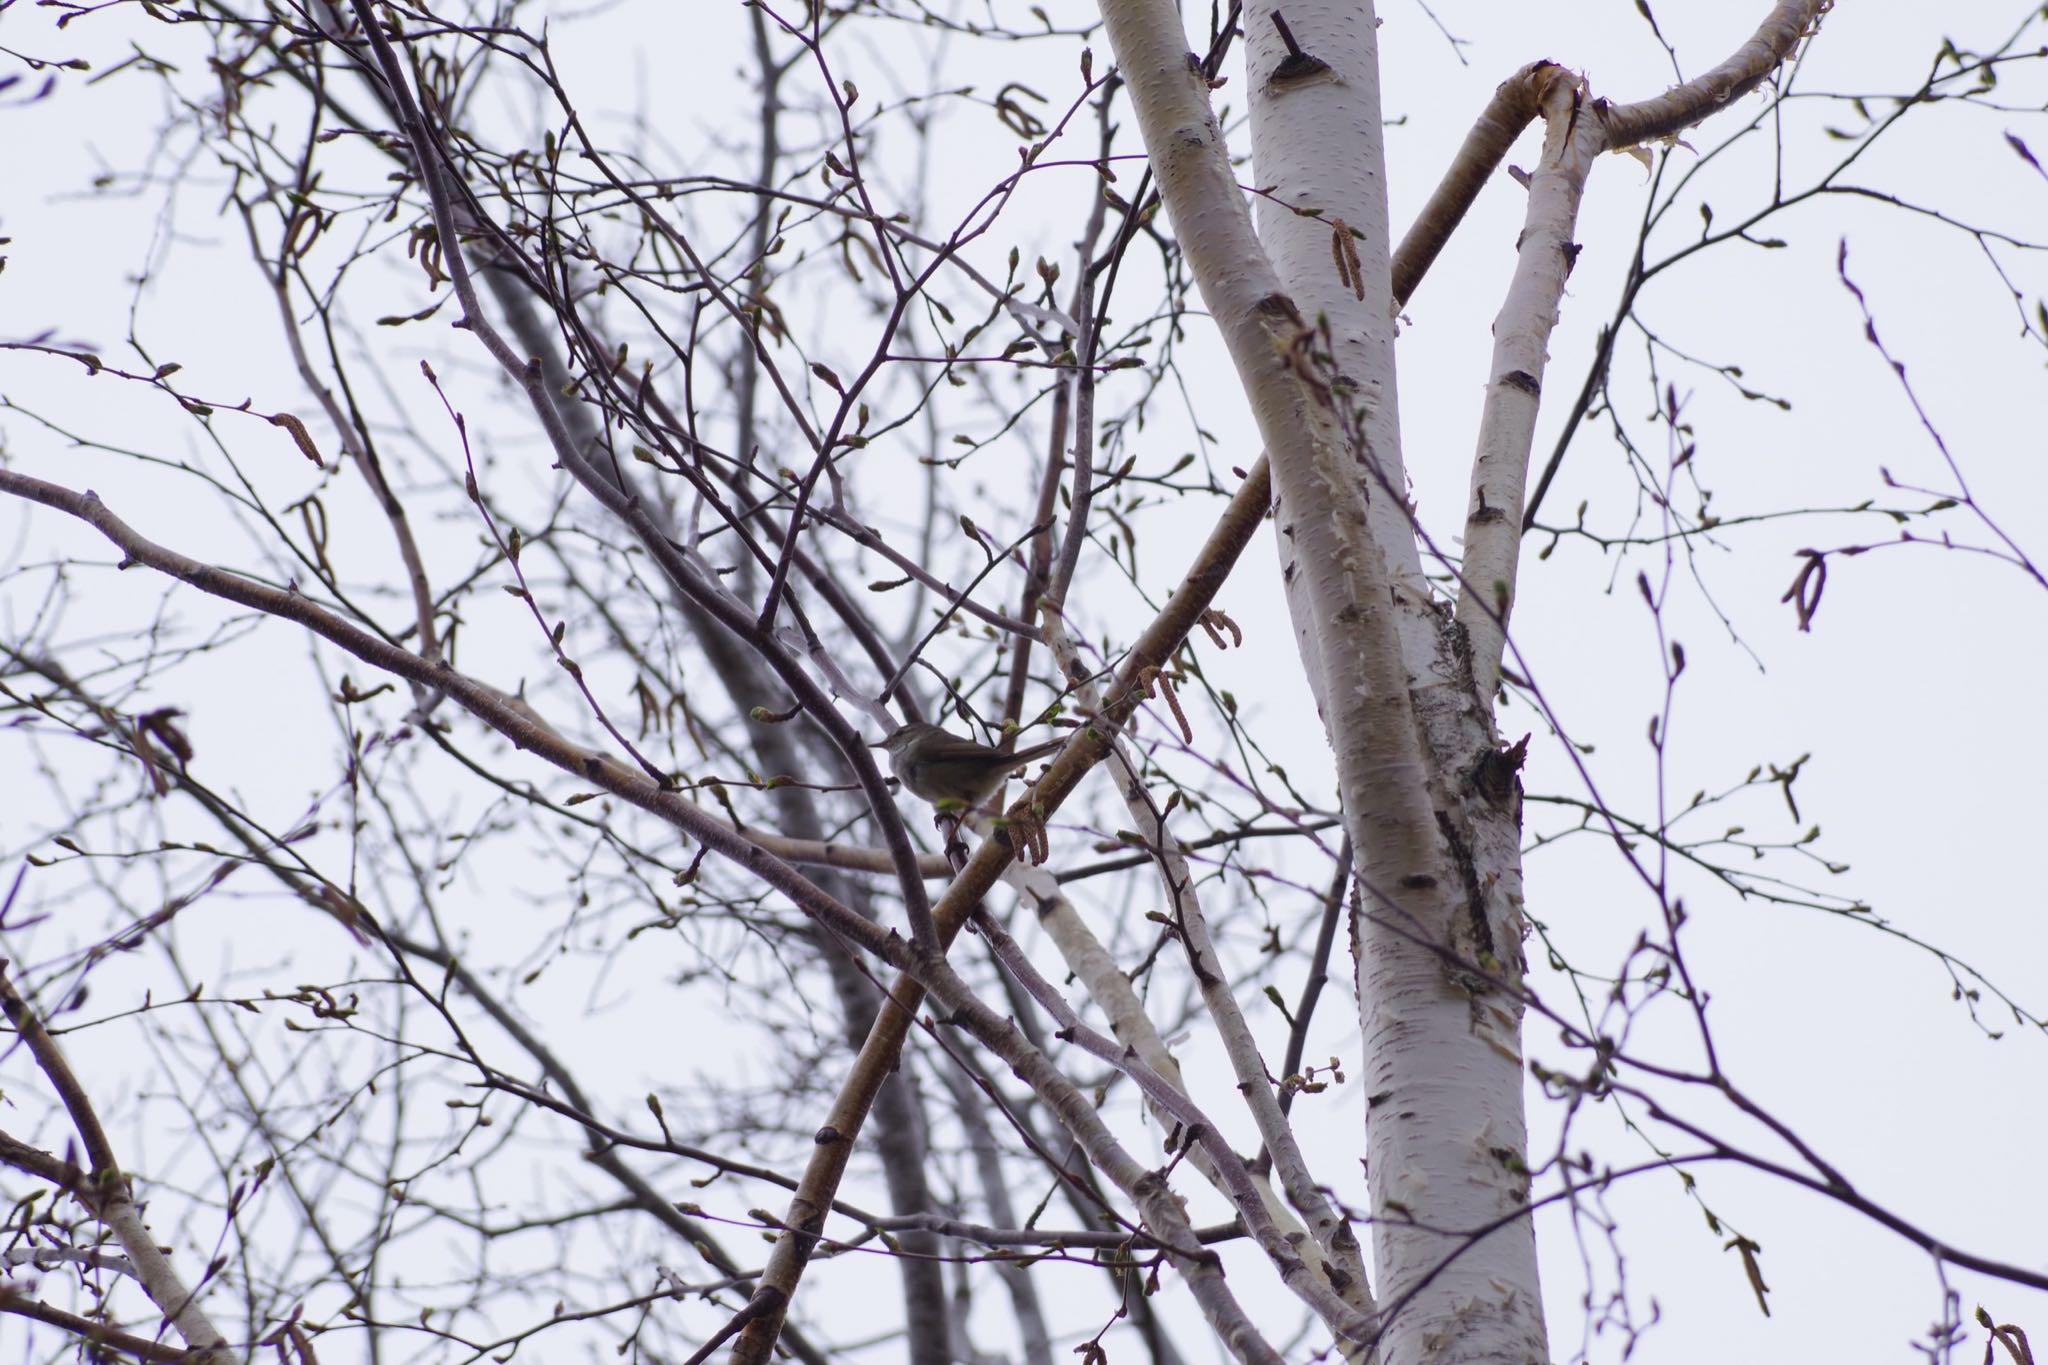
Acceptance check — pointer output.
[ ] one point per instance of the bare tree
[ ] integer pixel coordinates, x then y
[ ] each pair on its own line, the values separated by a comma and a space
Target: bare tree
459, 906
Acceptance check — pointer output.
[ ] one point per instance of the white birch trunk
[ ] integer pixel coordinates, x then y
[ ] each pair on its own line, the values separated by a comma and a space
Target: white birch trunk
1430, 800
1446, 1137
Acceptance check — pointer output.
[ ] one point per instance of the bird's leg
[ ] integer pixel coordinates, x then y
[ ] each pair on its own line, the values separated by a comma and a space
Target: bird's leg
949, 824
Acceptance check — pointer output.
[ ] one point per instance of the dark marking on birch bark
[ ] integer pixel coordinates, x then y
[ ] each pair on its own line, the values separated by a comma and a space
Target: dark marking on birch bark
1278, 305
1475, 942
1496, 777
1297, 67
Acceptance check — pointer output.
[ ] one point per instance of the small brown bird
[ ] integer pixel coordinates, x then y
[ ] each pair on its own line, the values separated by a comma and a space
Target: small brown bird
945, 769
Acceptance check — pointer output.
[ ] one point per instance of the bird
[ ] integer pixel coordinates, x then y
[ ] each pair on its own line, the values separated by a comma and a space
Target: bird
947, 770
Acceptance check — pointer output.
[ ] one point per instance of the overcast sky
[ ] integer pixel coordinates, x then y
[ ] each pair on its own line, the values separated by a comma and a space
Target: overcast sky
1915, 691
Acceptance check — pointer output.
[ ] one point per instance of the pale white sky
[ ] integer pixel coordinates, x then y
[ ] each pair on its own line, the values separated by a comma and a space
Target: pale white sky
1912, 693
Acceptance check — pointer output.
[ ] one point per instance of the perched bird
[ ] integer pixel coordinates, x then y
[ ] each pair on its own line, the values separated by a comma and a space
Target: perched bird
948, 770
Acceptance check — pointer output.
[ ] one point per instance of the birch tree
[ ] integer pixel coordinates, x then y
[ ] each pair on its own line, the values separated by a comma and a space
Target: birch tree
458, 907
1427, 785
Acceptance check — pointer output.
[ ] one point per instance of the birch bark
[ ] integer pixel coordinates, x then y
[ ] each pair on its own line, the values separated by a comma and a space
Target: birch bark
1446, 1136
1431, 800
